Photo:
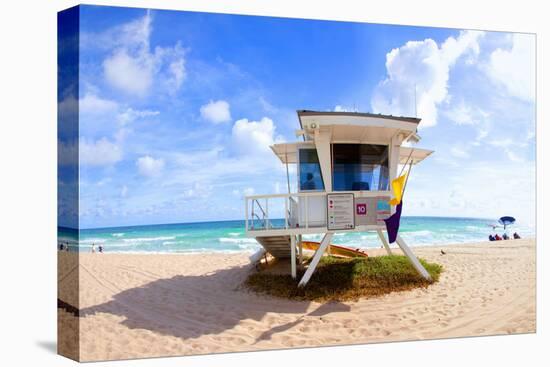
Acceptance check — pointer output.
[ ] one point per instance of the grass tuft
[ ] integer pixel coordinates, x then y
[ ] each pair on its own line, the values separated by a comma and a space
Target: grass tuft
344, 279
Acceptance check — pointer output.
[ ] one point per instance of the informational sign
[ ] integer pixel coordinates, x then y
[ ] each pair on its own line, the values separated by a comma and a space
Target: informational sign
361, 208
371, 210
340, 211
383, 209
363, 211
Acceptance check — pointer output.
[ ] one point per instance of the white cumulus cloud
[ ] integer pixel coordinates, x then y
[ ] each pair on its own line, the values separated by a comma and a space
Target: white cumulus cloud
94, 105
459, 152
253, 136
419, 72
514, 68
130, 74
102, 152
248, 191
132, 66
177, 73
340, 108
216, 111
149, 166
461, 114
130, 115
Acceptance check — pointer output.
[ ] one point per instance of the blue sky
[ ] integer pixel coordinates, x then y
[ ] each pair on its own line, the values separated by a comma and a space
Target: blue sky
177, 110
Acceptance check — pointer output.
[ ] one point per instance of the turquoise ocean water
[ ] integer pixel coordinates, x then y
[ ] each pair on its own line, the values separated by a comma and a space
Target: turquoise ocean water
228, 236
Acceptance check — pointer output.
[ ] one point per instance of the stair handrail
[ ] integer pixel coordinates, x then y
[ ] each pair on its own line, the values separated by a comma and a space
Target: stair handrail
263, 219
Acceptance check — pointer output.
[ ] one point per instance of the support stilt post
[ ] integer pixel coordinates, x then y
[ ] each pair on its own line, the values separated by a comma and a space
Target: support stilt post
384, 242
293, 256
300, 250
316, 258
414, 260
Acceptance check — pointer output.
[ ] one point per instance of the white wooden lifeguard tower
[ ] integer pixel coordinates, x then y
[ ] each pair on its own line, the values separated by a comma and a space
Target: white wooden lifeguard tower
345, 164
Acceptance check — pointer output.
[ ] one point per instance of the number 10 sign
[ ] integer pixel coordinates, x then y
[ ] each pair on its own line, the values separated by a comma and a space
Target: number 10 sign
361, 209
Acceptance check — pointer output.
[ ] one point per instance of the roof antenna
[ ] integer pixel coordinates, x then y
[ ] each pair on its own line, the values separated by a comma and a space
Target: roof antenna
415, 114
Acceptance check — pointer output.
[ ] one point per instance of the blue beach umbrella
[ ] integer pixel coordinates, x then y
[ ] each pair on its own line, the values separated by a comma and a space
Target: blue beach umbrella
506, 221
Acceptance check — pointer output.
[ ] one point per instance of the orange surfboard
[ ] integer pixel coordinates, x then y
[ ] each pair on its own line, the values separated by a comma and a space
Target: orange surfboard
336, 250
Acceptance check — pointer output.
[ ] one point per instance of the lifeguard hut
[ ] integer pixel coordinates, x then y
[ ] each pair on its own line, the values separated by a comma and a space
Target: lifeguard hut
345, 163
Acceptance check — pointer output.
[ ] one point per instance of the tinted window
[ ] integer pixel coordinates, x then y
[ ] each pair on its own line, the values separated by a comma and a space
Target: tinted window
360, 167
310, 171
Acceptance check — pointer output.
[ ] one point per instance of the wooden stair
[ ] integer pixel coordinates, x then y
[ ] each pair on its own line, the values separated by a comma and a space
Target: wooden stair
277, 246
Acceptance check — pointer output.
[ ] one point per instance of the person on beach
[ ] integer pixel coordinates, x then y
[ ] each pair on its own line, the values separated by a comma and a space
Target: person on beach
67, 247
61, 246
491, 237
93, 248
309, 184
505, 236
516, 236
497, 237
100, 248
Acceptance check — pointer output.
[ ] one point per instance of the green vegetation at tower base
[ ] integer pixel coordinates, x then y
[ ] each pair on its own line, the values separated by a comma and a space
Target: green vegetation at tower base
344, 279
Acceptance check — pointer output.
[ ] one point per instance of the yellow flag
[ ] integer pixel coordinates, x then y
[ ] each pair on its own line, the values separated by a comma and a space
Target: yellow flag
397, 186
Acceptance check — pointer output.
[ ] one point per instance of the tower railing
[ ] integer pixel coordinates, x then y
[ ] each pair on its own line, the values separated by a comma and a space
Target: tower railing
292, 212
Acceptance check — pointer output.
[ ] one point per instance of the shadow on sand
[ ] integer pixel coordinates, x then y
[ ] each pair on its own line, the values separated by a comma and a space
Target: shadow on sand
320, 311
48, 345
192, 306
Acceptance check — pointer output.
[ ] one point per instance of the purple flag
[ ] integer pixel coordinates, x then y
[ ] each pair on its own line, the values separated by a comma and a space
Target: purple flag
392, 223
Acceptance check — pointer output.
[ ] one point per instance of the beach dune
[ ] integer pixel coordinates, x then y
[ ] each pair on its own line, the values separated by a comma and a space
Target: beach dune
134, 306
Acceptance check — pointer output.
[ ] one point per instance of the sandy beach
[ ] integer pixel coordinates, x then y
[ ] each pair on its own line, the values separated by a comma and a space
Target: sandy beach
134, 306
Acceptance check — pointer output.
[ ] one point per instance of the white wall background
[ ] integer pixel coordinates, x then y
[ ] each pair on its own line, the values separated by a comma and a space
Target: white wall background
28, 181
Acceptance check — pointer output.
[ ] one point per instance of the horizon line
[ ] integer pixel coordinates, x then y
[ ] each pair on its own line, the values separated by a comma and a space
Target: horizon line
242, 220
